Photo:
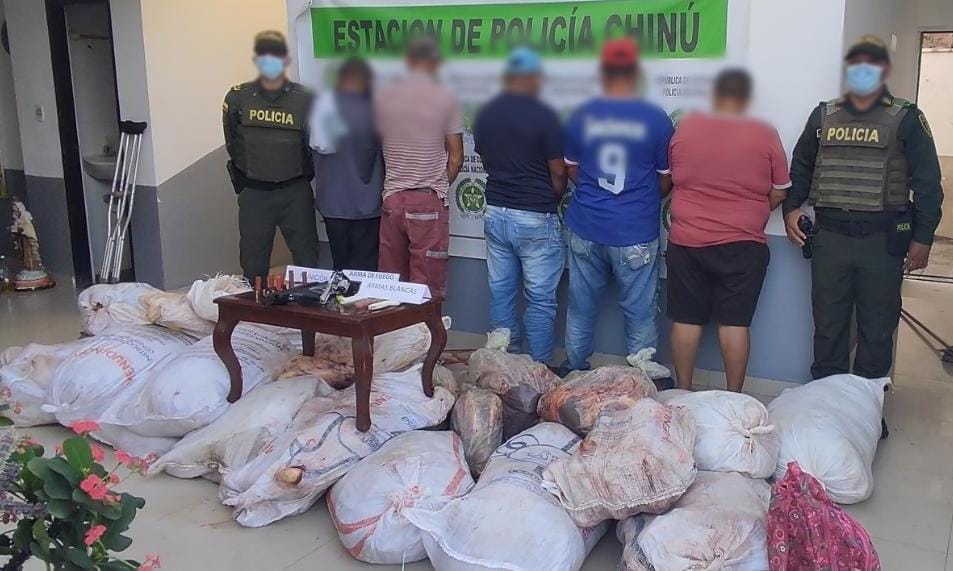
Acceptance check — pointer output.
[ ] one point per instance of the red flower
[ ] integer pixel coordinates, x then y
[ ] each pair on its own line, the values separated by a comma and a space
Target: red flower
113, 479
151, 563
124, 457
84, 426
98, 454
93, 535
94, 486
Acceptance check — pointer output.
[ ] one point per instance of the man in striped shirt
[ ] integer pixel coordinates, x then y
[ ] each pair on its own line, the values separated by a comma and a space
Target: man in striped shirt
421, 129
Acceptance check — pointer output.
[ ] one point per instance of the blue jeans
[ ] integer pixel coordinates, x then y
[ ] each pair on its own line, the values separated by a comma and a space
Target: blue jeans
528, 244
636, 272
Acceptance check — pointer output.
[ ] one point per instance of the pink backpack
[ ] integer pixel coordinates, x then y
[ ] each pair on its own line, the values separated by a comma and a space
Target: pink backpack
807, 531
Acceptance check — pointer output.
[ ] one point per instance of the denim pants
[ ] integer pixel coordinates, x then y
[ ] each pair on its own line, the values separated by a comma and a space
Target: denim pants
636, 272
527, 245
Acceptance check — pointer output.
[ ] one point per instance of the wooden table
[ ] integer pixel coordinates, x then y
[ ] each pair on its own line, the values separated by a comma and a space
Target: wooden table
361, 325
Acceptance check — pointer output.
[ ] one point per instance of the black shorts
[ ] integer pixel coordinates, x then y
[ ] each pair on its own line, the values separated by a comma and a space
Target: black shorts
719, 283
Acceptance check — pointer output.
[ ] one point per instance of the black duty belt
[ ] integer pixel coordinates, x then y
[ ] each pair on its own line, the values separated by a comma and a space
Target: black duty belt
245, 182
854, 228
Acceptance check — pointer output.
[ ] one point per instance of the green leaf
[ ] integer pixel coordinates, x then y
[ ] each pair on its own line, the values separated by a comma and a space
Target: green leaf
23, 534
60, 508
4, 421
65, 469
116, 542
56, 487
109, 511
79, 453
39, 467
41, 537
79, 557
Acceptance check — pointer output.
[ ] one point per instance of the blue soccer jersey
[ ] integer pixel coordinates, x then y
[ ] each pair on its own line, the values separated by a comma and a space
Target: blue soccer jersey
620, 147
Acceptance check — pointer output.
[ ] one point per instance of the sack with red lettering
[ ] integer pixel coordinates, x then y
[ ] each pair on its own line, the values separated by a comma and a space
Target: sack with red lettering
420, 469
86, 381
27, 376
106, 305
323, 443
190, 390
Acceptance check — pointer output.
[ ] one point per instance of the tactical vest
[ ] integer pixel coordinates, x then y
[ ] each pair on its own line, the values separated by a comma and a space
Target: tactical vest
861, 163
272, 145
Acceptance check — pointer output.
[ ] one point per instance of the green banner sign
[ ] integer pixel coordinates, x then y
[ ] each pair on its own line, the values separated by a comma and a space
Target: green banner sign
665, 28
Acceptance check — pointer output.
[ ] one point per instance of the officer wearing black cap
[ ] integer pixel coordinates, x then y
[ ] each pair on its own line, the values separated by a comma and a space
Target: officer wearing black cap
270, 164
858, 161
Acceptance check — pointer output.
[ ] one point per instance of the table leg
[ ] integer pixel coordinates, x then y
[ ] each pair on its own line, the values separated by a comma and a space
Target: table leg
363, 349
438, 342
307, 343
222, 341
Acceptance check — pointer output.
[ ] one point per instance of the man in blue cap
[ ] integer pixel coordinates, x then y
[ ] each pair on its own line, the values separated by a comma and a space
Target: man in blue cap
520, 141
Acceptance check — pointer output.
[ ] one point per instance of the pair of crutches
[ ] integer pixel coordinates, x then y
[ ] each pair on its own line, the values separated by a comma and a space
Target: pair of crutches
122, 197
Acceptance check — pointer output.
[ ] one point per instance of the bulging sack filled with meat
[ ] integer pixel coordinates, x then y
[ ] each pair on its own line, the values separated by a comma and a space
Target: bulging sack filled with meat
420, 469
246, 427
718, 524
323, 443
806, 530
478, 418
189, 391
108, 305
508, 521
26, 379
733, 433
578, 402
333, 358
637, 460
203, 293
831, 441
172, 310
518, 380
86, 381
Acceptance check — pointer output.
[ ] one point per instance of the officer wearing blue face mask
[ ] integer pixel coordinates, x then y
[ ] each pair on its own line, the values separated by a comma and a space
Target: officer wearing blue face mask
868, 164
266, 136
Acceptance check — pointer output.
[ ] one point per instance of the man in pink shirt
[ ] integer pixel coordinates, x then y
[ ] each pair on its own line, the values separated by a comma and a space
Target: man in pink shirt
421, 128
729, 173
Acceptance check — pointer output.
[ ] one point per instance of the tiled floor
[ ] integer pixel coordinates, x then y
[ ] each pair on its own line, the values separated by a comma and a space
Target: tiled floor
910, 514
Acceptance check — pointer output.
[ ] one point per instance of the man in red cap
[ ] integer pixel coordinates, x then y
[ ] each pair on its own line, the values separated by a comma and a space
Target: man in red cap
617, 154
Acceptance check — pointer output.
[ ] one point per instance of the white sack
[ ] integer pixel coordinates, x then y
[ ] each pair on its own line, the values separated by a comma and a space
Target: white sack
86, 382
240, 434
121, 438
202, 294
189, 391
665, 397
509, 521
718, 524
831, 427
635, 460
421, 469
172, 310
733, 433
28, 377
105, 305
323, 443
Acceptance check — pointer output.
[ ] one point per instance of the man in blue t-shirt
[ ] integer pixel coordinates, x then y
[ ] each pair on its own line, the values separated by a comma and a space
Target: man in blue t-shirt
520, 141
617, 153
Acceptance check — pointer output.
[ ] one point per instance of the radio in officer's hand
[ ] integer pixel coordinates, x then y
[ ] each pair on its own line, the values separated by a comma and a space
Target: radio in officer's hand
806, 225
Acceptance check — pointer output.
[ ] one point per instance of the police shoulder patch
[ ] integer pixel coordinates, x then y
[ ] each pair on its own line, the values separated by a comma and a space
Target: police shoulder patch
926, 125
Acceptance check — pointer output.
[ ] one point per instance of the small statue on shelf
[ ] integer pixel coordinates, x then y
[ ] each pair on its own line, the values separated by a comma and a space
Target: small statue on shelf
32, 276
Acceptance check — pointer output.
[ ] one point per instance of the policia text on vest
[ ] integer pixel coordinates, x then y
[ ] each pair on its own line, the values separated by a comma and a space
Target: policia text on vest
271, 170
858, 169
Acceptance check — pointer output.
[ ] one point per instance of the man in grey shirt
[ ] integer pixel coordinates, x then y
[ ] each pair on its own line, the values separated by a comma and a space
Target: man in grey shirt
349, 168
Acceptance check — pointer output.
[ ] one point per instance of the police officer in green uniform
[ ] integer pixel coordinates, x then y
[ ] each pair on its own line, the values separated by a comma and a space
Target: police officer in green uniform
857, 162
270, 166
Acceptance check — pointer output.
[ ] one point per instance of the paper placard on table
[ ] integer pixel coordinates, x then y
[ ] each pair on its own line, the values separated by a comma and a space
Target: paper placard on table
319, 275
404, 292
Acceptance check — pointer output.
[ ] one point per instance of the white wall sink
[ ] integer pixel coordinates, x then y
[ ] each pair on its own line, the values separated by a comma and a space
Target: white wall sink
100, 167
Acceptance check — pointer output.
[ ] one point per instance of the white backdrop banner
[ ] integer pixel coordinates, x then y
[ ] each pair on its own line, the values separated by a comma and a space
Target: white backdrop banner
684, 44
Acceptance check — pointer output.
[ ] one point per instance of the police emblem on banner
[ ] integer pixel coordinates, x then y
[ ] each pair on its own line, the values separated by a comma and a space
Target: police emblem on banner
471, 197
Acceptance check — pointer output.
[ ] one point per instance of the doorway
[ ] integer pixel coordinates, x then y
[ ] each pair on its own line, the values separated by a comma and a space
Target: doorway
88, 106
933, 97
